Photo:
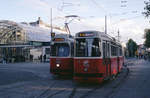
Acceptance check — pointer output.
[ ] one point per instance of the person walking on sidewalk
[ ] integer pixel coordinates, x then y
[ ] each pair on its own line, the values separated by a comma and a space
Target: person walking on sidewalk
44, 58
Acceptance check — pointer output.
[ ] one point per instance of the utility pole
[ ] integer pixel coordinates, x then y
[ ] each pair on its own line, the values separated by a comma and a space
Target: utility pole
105, 24
118, 35
51, 22
51, 31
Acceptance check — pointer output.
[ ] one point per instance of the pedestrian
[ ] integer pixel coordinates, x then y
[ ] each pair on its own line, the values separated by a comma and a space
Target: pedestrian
41, 58
44, 58
4, 60
31, 57
139, 55
148, 56
136, 53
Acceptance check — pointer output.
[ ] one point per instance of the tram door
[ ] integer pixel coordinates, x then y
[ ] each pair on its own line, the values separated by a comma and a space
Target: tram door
106, 57
118, 60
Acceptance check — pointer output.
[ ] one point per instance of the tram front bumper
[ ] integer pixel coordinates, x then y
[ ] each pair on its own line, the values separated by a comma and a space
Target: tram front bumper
61, 71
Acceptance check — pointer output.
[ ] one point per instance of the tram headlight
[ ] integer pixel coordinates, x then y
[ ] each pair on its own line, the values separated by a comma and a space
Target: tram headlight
57, 65
85, 69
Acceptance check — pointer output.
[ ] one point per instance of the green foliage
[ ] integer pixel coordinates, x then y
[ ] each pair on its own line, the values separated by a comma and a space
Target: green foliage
147, 32
147, 38
147, 9
132, 47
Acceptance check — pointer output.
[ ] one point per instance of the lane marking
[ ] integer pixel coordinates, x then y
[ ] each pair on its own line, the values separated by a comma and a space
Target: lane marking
58, 88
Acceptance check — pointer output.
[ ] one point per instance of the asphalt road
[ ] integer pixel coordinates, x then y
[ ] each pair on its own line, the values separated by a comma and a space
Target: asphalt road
33, 80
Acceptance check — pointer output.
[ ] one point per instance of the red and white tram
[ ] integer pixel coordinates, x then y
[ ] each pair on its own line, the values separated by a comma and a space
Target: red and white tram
97, 57
62, 52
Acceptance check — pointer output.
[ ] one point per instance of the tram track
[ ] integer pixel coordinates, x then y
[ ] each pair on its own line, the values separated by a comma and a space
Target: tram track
58, 92
45, 91
18, 85
90, 92
107, 95
48, 90
73, 92
117, 86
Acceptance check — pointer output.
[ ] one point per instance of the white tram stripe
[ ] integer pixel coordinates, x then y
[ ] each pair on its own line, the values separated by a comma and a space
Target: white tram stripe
60, 57
88, 58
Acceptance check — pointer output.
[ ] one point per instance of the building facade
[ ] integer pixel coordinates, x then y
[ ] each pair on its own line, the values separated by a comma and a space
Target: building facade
21, 42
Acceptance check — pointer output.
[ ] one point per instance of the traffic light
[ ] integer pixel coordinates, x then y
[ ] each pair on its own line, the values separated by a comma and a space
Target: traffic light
52, 35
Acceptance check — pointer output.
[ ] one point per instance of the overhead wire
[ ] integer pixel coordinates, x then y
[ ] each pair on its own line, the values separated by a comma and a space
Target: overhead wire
124, 4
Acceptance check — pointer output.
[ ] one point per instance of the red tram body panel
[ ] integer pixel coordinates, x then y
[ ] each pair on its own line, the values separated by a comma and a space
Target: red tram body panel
97, 57
65, 66
92, 72
61, 59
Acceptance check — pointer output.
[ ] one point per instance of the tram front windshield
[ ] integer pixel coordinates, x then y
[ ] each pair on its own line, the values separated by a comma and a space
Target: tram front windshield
88, 47
60, 49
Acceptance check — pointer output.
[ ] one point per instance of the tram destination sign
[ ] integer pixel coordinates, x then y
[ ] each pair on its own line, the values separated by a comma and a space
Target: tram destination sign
87, 34
59, 39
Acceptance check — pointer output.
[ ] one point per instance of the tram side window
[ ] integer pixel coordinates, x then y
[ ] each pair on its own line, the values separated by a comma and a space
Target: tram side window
108, 50
72, 49
113, 51
117, 51
104, 50
96, 48
120, 52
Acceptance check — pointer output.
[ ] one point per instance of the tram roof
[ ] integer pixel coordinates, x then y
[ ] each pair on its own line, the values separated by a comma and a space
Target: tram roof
98, 34
92, 33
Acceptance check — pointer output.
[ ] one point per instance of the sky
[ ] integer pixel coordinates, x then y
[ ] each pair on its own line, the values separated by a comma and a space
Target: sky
124, 16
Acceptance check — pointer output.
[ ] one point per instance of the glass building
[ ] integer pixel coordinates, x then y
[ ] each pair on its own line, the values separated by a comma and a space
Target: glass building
24, 42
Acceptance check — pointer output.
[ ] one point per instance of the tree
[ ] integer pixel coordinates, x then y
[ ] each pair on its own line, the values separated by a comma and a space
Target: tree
132, 47
147, 38
147, 9
147, 31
